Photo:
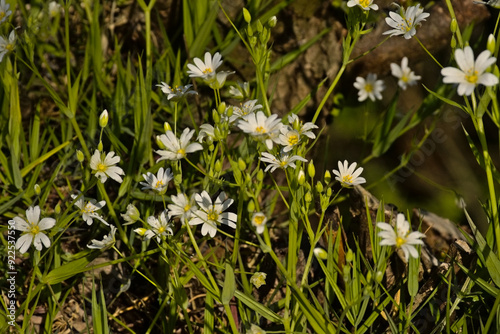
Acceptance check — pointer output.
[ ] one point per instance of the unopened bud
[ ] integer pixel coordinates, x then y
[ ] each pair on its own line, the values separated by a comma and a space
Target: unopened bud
301, 177
57, 209
251, 206
103, 119
260, 175
349, 256
379, 276
222, 108
241, 164
319, 187
308, 197
99, 147
215, 116
246, 15
259, 26
167, 127
141, 231
311, 170
80, 156
320, 253
328, 176
490, 45
218, 166
453, 26
159, 143
272, 22
329, 192
37, 189
453, 42
253, 40
369, 277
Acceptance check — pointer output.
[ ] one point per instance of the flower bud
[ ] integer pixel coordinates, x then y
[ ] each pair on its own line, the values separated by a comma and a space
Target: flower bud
379, 276
308, 197
259, 26
253, 41
37, 189
246, 15
241, 164
132, 215
216, 116
328, 176
453, 26
272, 21
229, 111
80, 156
218, 166
222, 108
319, 187
320, 253
251, 206
260, 175
311, 170
103, 119
159, 143
57, 209
249, 31
349, 256
453, 42
490, 45
99, 147
329, 192
369, 277
167, 127
301, 178
141, 231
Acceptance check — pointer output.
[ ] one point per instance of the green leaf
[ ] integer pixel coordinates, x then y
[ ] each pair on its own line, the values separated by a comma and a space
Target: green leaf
229, 285
413, 276
444, 99
257, 307
69, 269
209, 315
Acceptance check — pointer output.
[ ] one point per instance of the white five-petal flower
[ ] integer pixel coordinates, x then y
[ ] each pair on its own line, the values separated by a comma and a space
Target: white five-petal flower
159, 227
363, 4
182, 206
211, 214
7, 45
176, 93
249, 107
400, 236
283, 161
158, 183
369, 87
406, 21
471, 72
106, 241
132, 215
4, 11
405, 75
176, 149
205, 70
88, 209
104, 167
32, 229
261, 127
259, 220
347, 175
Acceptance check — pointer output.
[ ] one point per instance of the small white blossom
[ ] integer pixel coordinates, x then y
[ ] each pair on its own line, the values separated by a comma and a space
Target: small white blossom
176, 149
159, 227
401, 237
369, 87
304, 129
158, 183
32, 229
7, 45
4, 11
219, 80
249, 107
258, 279
132, 215
406, 77
88, 209
288, 137
208, 131
205, 70
406, 21
54, 9
471, 72
283, 161
259, 220
363, 4
347, 175
211, 214
182, 207
241, 91
261, 127
104, 167
106, 241
176, 93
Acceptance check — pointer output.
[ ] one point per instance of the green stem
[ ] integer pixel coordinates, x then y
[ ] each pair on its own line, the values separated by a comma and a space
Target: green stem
428, 52
329, 92
453, 17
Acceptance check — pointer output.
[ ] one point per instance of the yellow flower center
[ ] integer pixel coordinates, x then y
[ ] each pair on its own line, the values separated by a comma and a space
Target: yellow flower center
369, 88
400, 242
161, 230
212, 215
282, 164
347, 179
2, 15
187, 207
260, 129
159, 184
181, 151
259, 220
87, 208
404, 78
364, 3
102, 167
34, 229
293, 139
208, 70
472, 77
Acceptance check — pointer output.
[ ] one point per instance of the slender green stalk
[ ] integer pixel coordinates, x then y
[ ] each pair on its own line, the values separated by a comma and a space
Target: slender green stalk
329, 92
428, 52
